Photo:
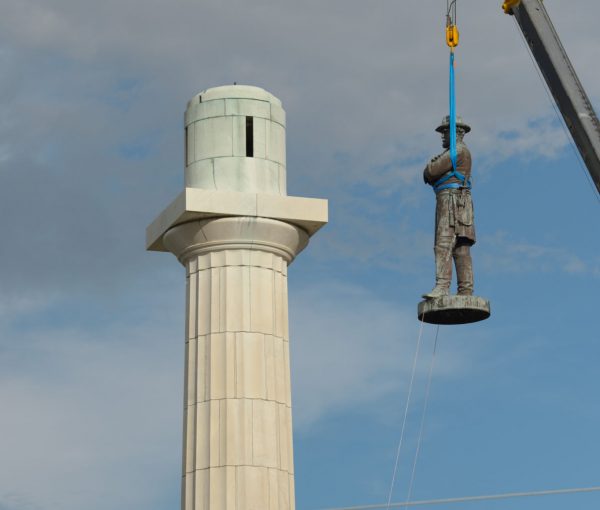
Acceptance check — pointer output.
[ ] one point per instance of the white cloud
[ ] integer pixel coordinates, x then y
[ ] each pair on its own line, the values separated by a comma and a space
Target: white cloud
354, 349
502, 253
89, 418
15, 305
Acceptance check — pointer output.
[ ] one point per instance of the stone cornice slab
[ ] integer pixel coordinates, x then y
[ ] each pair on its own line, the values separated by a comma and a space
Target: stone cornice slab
310, 214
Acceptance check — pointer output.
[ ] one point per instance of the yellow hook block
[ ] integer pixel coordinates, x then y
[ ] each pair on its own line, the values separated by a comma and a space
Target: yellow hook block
509, 4
452, 36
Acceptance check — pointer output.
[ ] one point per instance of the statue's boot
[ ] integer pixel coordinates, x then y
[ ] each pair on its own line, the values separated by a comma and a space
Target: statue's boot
443, 269
464, 269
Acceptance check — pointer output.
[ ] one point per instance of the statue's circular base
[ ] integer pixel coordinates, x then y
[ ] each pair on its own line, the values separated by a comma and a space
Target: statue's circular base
454, 310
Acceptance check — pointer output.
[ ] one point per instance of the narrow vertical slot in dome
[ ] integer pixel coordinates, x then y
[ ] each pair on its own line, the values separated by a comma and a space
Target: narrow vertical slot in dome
185, 148
249, 137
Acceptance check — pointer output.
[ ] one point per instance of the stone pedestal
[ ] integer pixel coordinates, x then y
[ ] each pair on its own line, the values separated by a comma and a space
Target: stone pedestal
236, 236
452, 310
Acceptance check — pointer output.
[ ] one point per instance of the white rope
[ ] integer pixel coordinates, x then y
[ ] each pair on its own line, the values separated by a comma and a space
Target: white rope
422, 426
410, 387
470, 499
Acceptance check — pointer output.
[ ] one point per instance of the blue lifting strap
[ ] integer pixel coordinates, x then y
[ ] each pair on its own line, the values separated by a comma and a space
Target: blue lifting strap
452, 113
439, 185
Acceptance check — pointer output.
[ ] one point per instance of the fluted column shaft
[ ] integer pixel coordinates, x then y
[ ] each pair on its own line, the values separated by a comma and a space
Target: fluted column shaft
237, 452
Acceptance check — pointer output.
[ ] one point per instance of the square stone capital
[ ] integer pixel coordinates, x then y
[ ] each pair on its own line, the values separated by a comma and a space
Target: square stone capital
310, 214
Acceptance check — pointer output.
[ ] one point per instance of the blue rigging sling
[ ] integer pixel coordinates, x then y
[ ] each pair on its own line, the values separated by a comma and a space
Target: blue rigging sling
440, 184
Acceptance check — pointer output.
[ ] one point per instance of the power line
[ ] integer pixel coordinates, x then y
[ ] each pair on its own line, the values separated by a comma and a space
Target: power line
470, 499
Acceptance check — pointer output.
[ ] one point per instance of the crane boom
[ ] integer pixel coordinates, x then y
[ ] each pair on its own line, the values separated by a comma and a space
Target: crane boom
568, 92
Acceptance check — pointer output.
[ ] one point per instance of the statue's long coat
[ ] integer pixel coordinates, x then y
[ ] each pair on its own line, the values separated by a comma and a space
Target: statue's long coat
454, 207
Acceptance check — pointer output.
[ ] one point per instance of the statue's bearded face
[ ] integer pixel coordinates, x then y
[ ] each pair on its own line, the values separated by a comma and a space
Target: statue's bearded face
460, 133
446, 138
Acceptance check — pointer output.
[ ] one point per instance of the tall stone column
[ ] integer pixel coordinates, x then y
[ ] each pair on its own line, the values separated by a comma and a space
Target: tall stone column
235, 231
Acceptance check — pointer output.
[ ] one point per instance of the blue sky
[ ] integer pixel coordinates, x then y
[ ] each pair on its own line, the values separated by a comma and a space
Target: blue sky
91, 325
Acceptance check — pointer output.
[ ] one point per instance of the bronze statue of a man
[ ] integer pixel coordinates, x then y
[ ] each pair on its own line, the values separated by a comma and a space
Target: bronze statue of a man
454, 220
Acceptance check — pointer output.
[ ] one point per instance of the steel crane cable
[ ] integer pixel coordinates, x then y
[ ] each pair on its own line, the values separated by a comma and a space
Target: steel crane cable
451, 10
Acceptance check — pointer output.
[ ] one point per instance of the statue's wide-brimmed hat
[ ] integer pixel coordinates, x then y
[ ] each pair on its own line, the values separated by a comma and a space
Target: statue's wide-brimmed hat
460, 124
